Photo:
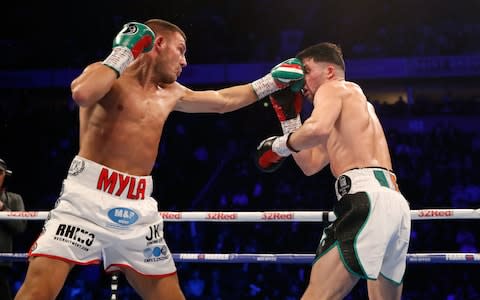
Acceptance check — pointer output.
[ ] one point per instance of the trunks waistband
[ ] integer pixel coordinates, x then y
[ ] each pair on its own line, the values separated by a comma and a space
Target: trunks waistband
361, 179
118, 184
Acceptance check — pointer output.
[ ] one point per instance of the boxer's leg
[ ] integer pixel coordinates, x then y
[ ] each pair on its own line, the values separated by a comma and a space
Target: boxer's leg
44, 280
329, 279
152, 288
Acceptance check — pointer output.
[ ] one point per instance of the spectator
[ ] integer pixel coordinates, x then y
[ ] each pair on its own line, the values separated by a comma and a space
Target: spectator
8, 228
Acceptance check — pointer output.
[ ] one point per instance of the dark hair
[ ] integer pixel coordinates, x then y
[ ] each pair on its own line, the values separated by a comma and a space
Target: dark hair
324, 52
159, 25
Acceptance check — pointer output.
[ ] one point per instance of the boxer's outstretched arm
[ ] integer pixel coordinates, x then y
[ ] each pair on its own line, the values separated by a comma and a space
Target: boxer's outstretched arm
285, 74
221, 101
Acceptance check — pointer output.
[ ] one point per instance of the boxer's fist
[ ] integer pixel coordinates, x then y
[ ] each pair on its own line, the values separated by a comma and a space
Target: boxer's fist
134, 39
287, 106
135, 36
286, 73
265, 158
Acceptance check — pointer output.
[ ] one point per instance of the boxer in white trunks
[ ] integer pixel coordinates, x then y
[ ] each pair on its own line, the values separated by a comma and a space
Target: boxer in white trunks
370, 237
105, 211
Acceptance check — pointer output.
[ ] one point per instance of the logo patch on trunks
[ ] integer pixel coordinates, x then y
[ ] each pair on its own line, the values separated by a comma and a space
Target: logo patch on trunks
344, 184
75, 236
76, 167
116, 183
155, 235
123, 216
155, 254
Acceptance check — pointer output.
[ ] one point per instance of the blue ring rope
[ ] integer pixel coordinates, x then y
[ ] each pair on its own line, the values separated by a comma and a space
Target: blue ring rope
288, 258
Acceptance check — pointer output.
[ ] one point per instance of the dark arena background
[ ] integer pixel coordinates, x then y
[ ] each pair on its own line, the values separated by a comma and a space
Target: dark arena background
417, 61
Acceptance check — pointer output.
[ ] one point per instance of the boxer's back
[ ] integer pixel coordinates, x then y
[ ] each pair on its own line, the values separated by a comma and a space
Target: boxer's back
357, 139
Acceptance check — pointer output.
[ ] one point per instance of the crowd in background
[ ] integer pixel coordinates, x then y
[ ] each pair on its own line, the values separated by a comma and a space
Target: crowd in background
205, 163
243, 31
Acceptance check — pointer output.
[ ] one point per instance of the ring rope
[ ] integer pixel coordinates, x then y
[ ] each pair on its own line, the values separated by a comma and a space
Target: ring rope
264, 216
277, 216
288, 258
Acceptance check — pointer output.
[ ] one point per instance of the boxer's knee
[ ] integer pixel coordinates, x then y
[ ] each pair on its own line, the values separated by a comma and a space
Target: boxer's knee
34, 292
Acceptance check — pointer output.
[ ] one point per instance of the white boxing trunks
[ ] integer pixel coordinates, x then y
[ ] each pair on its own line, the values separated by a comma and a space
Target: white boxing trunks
372, 229
103, 214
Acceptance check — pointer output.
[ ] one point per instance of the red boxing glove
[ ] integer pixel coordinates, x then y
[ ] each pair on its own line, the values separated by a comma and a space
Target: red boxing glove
287, 106
265, 158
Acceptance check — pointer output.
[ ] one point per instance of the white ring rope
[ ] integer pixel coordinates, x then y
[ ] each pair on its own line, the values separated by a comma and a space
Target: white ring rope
264, 216
275, 216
